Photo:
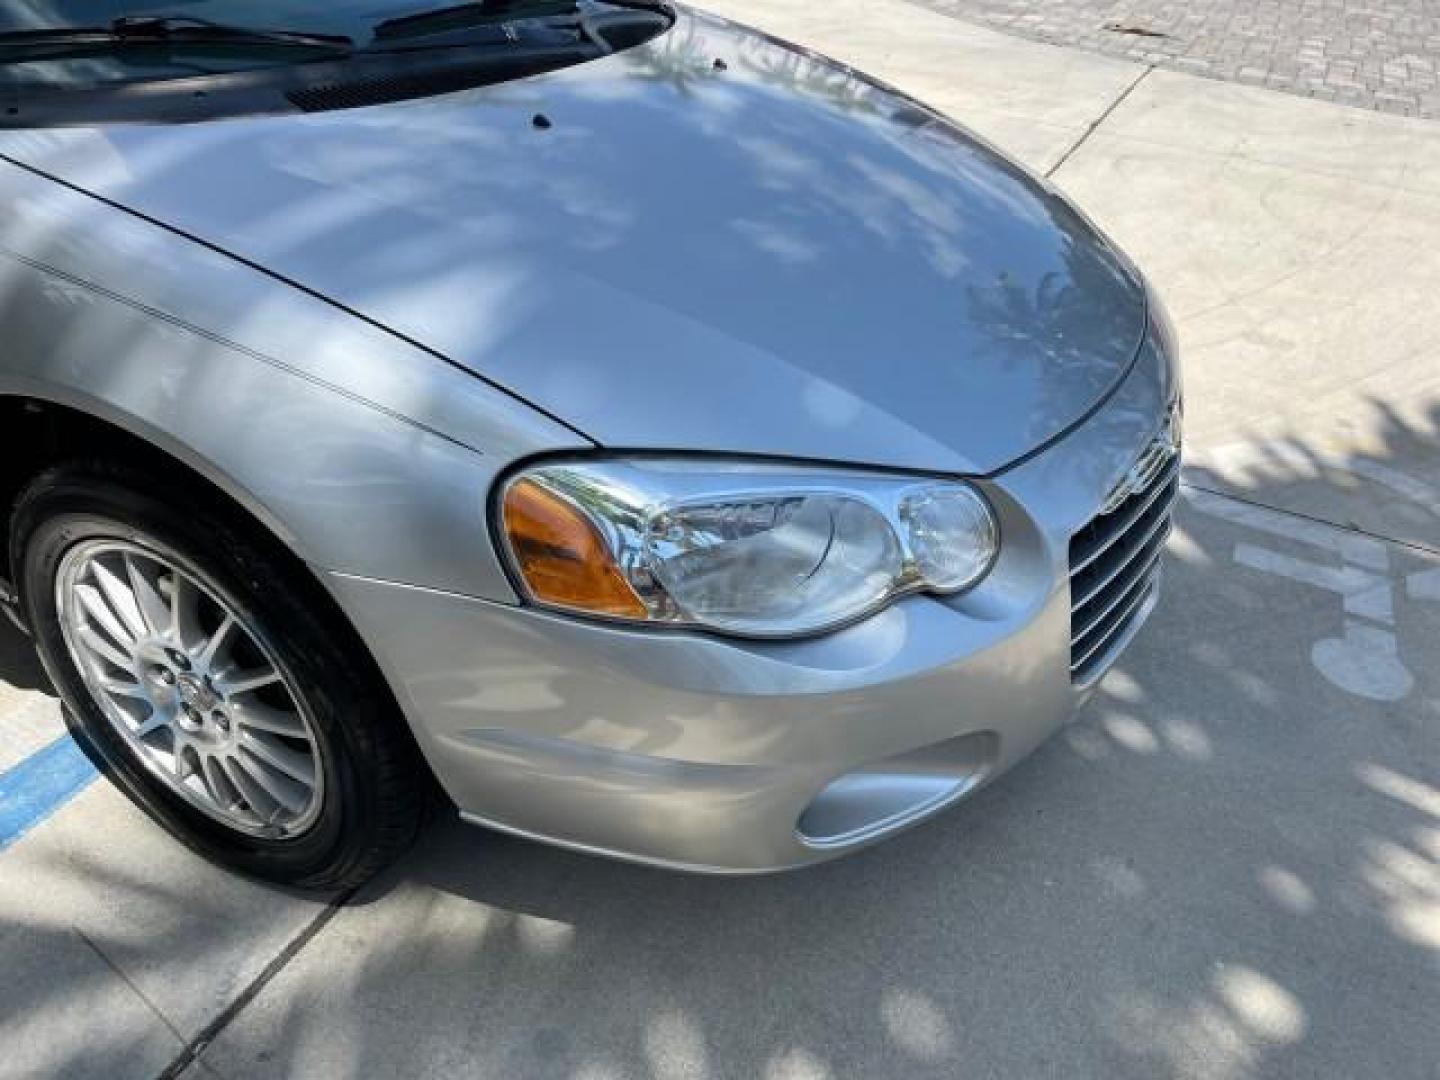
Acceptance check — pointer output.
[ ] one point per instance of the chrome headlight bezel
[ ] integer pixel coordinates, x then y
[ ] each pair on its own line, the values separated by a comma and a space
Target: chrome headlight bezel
620, 498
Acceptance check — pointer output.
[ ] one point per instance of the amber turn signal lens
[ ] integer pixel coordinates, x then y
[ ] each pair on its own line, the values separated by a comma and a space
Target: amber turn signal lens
563, 557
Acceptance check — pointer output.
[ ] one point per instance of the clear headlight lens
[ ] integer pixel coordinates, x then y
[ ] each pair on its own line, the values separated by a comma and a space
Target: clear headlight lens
773, 566
952, 535
750, 550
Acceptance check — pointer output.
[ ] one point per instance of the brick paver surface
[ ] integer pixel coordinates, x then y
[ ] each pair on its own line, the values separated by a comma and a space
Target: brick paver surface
1375, 54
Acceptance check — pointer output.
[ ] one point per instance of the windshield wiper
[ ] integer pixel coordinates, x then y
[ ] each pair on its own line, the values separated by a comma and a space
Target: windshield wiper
149, 30
474, 14
466, 16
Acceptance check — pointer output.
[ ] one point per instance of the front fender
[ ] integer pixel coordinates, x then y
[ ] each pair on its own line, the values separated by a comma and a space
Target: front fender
365, 454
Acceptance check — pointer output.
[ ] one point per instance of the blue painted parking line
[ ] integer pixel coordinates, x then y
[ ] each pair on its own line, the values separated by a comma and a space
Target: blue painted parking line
40, 785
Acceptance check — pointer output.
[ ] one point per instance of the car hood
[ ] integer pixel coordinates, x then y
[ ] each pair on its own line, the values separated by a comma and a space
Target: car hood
717, 242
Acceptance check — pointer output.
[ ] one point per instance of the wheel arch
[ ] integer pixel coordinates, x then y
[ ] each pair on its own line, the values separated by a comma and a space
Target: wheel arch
41, 430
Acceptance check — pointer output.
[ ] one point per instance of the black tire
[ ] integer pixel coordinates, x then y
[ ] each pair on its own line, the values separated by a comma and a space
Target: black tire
375, 782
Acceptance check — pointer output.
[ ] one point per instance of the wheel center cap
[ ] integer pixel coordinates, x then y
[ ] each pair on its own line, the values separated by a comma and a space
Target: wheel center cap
196, 692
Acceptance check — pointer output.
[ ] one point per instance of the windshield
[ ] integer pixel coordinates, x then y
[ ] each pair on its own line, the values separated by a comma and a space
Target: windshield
78, 61
355, 19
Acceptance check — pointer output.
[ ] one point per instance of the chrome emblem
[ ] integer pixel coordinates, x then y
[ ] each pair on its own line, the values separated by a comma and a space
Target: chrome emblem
1153, 460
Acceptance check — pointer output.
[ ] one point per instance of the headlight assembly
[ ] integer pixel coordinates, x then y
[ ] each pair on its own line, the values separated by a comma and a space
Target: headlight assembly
751, 550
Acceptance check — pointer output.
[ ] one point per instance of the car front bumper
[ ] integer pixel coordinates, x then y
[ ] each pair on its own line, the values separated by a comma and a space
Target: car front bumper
697, 752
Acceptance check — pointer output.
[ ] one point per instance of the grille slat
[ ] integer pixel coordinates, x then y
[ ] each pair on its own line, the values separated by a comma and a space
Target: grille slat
1102, 577
1138, 576
1096, 649
1087, 553
1115, 565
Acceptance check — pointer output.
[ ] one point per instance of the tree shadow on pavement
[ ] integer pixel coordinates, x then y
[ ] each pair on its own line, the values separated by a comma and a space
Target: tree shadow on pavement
1228, 866
19, 665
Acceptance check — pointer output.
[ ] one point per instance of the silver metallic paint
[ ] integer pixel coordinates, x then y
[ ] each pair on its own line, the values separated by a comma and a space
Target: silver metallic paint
890, 293
698, 752
782, 258
361, 451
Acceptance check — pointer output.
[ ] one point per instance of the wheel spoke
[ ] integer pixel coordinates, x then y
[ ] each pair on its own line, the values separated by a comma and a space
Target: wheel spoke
276, 754
278, 788
220, 785
212, 647
153, 723
184, 766
243, 682
148, 601
263, 718
120, 597
184, 609
255, 794
94, 603
121, 688
103, 649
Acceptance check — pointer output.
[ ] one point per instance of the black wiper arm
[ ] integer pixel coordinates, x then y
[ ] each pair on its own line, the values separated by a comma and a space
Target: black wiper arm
479, 12
458, 24
469, 15
187, 27
169, 30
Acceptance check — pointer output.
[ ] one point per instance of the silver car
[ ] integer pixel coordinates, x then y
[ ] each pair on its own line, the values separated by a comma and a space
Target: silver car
645, 435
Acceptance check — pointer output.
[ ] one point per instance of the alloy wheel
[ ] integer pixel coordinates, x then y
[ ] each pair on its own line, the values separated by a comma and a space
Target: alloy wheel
190, 687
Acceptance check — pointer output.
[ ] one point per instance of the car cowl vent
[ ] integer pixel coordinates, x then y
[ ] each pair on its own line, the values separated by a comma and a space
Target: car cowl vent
379, 90
382, 88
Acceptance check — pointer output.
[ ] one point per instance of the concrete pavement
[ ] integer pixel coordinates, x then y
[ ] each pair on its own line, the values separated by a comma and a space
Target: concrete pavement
1372, 54
1226, 869
117, 945
1229, 867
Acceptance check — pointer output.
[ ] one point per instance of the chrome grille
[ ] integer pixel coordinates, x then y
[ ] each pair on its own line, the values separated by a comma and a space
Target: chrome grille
1115, 568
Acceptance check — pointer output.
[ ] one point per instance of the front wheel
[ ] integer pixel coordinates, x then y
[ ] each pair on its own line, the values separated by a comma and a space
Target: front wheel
205, 676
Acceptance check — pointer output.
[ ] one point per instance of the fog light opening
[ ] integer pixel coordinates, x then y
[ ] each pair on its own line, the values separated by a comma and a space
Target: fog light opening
887, 795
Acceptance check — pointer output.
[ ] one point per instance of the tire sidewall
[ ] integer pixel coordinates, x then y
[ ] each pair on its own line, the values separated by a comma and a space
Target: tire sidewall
51, 520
